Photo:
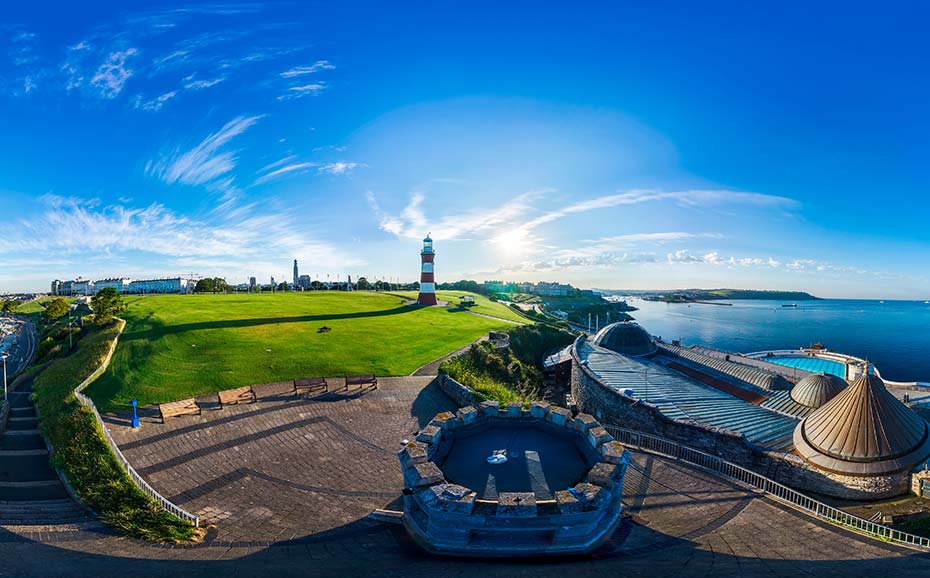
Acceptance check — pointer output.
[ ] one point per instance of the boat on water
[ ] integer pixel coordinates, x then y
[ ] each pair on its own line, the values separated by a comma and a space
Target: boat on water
789, 304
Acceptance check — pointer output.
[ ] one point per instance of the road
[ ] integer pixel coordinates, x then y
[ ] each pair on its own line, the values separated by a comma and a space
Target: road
24, 346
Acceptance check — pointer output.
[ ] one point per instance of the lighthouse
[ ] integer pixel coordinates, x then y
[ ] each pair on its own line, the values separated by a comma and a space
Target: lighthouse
427, 280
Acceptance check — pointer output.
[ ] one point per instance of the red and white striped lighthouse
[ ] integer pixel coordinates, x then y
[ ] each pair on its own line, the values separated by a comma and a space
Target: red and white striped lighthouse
427, 280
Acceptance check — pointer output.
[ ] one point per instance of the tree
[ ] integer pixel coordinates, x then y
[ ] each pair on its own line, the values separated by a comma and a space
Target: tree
204, 286
56, 309
106, 304
362, 284
9, 305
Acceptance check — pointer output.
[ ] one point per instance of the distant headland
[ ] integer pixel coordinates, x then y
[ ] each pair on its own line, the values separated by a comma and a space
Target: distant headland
697, 295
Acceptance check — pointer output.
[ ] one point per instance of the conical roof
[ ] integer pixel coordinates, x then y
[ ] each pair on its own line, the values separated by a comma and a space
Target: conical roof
864, 430
817, 389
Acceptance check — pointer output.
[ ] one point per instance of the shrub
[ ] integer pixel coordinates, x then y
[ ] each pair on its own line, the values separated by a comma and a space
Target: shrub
83, 454
511, 374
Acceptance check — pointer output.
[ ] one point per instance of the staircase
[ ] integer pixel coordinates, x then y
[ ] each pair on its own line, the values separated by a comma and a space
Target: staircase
30, 491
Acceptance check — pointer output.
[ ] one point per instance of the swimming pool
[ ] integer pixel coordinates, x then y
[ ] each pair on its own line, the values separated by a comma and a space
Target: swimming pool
811, 364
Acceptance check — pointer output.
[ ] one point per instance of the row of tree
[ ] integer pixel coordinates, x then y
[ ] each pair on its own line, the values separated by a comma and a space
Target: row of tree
219, 285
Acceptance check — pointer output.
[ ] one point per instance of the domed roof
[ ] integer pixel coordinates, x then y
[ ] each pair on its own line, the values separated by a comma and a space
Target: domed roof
864, 431
817, 389
625, 337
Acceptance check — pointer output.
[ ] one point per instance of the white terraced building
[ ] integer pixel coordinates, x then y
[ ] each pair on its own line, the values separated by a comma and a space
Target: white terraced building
168, 285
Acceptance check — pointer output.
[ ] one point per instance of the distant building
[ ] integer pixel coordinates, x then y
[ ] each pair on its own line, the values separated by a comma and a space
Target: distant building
303, 282
82, 287
296, 276
56, 287
552, 289
168, 285
542, 288
121, 284
252, 282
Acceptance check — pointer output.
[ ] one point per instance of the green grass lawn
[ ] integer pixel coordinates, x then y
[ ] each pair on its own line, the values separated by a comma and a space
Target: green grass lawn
34, 306
179, 346
482, 304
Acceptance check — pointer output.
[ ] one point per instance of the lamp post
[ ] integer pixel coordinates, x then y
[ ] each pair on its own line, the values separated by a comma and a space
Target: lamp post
4, 356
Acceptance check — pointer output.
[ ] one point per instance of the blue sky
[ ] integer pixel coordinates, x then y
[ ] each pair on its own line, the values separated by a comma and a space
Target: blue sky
618, 145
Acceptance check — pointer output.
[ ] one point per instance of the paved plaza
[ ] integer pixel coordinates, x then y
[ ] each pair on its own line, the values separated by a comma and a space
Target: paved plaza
288, 485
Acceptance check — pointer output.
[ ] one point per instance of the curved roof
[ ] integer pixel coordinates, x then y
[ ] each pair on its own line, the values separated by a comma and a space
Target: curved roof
863, 431
625, 337
745, 373
817, 389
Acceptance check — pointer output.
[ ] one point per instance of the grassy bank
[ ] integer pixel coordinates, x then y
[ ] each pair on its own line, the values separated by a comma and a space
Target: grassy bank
82, 453
512, 374
482, 305
179, 346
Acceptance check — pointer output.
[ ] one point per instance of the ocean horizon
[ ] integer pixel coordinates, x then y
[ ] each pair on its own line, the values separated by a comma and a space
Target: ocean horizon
892, 334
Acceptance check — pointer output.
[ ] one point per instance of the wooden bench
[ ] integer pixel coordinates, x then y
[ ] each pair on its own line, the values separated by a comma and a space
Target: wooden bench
361, 382
176, 408
238, 395
274, 390
310, 385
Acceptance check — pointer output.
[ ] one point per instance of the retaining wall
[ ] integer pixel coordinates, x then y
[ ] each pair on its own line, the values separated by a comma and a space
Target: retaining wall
460, 394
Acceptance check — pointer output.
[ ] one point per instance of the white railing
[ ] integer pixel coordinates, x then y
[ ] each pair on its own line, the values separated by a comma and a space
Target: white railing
133, 475
670, 449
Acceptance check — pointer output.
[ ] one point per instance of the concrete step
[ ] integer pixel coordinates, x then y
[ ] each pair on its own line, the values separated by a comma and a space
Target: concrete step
30, 493
28, 411
26, 468
21, 442
28, 452
42, 512
22, 423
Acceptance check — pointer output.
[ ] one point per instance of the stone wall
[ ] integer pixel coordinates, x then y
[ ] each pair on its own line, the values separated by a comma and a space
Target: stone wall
612, 407
460, 394
446, 518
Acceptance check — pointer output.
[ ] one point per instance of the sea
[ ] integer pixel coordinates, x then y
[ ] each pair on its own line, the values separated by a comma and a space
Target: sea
894, 335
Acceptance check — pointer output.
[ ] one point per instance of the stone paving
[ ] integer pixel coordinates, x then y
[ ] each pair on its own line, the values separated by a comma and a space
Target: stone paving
283, 468
290, 489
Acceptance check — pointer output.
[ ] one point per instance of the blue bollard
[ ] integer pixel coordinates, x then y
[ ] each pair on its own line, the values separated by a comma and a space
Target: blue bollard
135, 416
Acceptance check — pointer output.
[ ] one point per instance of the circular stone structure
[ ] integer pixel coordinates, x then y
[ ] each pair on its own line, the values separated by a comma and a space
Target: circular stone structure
557, 492
626, 338
817, 389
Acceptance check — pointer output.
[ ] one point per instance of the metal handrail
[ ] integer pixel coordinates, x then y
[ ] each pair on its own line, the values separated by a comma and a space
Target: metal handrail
165, 504
670, 449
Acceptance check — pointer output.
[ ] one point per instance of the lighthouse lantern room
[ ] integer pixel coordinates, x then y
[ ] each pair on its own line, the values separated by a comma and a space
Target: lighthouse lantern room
427, 279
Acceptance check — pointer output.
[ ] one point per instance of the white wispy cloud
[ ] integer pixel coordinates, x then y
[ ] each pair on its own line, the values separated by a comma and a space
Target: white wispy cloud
156, 103
112, 75
206, 162
295, 167
190, 83
514, 213
312, 89
412, 221
689, 198
73, 226
337, 168
171, 58
302, 70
